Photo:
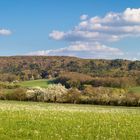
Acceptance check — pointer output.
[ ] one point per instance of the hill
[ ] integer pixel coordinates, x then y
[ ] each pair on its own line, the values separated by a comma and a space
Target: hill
38, 67
86, 81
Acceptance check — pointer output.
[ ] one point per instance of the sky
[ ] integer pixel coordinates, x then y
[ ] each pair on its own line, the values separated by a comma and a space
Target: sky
105, 29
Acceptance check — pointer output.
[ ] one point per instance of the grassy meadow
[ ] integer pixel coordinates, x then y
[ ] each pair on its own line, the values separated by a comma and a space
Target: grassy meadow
43, 121
135, 89
35, 83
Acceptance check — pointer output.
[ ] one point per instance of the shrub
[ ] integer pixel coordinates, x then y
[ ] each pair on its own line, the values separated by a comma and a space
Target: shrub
53, 93
8, 85
2, 95
17, 94
8, 77
121, 82
102, 95
73, 96
78, 80
73, 79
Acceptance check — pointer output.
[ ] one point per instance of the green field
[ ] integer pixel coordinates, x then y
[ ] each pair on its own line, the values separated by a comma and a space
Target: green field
44, 84
42, 121
135, 89
35, 83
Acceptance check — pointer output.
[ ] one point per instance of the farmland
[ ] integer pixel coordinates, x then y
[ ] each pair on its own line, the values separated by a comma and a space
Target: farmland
30, 120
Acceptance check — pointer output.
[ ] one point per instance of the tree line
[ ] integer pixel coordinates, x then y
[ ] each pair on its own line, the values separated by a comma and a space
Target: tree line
24, 68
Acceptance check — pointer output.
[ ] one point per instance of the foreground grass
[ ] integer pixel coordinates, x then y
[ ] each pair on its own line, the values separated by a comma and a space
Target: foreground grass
42, 121
34, 83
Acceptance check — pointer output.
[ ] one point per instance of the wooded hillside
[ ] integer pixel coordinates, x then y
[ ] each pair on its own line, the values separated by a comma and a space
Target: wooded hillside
36, 67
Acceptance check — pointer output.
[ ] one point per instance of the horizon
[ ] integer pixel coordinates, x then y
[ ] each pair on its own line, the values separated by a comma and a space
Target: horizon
89, 30
69, 57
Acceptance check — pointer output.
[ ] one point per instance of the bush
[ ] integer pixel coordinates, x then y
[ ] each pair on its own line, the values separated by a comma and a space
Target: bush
8, 85
78, 80
121, 82
73, 80
88, 95
53, 93
73, 96
2, 95
18, 94
109, 96
9, 77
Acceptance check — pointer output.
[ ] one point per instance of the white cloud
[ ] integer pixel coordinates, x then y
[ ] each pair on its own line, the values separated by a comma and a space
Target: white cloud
111, 27
132, 15
57, 35
83, 50
5, 32
84, 36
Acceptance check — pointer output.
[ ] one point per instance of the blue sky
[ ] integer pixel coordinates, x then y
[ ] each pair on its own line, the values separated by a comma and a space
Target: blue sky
60, 27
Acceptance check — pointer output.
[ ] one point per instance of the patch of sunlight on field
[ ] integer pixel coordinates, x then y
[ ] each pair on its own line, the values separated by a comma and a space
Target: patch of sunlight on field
42, 121
34, 83
135, 89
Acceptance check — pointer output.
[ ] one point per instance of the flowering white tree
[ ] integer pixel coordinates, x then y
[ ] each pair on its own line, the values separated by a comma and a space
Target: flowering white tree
53, 93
